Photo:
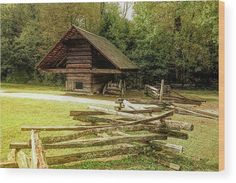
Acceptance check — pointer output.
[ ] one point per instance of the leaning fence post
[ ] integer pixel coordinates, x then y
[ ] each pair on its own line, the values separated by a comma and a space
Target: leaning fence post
161, 90
38, 159
34, 160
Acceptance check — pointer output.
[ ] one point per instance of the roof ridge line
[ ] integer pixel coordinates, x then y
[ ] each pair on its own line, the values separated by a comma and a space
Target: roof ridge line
89, 32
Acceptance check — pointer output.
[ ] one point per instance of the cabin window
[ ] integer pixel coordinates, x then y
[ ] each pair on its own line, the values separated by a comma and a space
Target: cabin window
78, 85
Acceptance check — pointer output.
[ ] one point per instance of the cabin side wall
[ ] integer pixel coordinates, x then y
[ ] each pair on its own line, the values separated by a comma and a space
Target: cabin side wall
79, 56
84, 57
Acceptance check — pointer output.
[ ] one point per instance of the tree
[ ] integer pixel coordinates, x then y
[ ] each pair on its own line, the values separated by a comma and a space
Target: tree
173, 42
29, 30
177, 41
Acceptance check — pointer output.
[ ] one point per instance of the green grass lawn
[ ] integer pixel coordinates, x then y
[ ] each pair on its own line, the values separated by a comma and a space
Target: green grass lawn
28, 88
200, 150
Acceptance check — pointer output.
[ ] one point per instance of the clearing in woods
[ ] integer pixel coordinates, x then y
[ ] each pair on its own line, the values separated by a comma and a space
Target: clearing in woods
200, 150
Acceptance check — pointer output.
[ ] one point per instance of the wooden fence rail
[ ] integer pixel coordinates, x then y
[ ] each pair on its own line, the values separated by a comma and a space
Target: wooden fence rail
141, 134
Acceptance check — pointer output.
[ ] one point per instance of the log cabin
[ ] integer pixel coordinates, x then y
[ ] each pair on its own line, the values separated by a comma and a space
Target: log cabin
89, 61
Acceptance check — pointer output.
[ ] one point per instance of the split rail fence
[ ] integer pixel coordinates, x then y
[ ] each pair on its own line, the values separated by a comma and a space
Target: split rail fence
141, 134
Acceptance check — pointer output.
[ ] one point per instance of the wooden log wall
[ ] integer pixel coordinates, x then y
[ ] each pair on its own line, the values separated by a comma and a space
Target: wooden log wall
82, 56
79, 56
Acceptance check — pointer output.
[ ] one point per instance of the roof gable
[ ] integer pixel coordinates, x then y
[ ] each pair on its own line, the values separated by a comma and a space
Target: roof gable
101, 44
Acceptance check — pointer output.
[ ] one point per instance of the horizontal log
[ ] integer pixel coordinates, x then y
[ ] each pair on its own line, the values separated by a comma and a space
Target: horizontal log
9, 164
160, 127
67, 70
78, 66
85, 79
199, 112
77, 128
143, 101
178, 125
94, 131
81, 49
140, 111
58, 128
87, 132
69, 57
106, 141
94, 71
207, 113
109, 111
84, 61
186, 98
160, 146
75, 50
143, 118
94, 120
80, 53
180, 100
19, 145
106, 71
82, 113
86, 82
62, 159
98, 76
181, 110
98, 141
79, 76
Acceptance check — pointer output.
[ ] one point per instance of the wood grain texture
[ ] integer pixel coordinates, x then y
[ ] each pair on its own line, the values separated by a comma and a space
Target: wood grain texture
37, 153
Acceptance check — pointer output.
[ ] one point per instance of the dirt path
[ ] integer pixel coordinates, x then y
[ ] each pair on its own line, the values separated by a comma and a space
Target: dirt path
40, 96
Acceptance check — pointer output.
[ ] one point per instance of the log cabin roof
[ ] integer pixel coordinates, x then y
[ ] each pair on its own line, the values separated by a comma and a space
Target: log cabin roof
101, 44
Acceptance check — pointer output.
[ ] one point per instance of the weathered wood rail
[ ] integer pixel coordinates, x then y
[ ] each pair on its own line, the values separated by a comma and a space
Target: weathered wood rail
114, 88
165, 93
141, 134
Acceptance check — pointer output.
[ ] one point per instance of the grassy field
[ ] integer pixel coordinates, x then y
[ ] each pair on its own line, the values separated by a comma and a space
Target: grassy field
10, 87
200, 150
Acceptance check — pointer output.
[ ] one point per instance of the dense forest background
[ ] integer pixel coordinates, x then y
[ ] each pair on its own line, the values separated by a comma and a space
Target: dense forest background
177, 41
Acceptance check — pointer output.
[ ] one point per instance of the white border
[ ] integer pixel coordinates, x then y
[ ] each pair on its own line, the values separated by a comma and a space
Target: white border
228, 175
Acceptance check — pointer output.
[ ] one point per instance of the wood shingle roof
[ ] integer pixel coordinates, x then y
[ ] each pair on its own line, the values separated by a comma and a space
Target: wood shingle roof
101, 44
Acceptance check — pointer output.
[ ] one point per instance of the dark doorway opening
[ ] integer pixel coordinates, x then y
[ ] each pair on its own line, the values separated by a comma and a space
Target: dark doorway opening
78, 85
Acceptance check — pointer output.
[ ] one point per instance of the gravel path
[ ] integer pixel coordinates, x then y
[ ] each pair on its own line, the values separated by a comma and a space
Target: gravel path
38, 96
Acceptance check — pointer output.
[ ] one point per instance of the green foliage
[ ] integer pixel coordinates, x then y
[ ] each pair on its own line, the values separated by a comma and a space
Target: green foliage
28, 32
177, 41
